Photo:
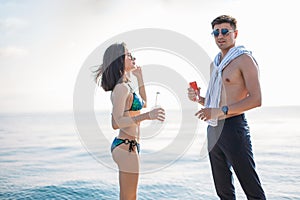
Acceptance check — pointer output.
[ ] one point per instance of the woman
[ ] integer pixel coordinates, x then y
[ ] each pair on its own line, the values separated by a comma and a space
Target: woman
126, 115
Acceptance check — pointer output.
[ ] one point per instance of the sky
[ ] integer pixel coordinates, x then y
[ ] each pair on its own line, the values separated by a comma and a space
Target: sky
43, 44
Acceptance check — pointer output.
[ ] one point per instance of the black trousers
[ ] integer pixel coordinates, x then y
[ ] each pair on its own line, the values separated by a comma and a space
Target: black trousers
230, 148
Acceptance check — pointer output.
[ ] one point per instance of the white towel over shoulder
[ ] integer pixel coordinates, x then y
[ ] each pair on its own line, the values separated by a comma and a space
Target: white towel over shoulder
212, 99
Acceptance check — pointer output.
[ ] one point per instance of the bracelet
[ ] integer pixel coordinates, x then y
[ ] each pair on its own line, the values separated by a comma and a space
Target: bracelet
134, 119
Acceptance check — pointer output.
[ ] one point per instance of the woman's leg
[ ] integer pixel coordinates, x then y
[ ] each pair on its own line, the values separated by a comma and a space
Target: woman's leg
128, 163
128, 185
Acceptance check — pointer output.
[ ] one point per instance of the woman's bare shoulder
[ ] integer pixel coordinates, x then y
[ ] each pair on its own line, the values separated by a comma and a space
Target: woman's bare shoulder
121, 89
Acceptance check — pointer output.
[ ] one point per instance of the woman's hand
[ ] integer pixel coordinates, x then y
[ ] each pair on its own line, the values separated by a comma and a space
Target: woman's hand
157, 113
137, 72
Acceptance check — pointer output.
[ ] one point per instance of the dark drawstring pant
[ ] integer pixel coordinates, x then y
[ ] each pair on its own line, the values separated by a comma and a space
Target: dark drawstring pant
230, 146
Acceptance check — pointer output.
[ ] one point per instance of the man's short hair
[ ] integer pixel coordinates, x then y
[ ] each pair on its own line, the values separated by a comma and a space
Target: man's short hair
224, 19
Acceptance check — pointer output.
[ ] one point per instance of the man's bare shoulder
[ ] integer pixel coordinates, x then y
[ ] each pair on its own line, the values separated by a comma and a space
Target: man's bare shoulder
246, 60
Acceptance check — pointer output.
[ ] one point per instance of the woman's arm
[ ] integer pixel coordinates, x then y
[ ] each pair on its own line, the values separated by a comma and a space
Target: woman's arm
142, 91
119, 121
119, 97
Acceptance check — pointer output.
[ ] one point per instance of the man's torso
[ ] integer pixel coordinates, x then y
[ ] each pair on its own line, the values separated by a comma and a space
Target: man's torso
234, 88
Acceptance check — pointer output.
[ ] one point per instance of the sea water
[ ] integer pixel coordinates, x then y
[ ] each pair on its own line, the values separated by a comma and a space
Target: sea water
42, 156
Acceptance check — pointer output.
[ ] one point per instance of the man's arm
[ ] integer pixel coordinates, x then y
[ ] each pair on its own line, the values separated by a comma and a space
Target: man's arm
249, 71
191, 92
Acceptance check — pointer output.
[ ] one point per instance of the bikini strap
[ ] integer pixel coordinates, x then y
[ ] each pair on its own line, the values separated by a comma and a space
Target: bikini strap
132, 144
131, 89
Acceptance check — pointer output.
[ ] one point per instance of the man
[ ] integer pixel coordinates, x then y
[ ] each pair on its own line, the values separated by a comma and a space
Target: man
233, 89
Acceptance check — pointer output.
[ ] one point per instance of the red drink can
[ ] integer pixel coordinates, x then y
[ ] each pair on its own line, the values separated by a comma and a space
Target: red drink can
194, 85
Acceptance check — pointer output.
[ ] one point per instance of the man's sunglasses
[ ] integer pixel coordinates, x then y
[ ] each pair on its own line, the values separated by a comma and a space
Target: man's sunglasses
224, 32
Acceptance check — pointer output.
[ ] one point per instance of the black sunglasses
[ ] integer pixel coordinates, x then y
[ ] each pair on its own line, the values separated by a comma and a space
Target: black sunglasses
130, 56
224, 32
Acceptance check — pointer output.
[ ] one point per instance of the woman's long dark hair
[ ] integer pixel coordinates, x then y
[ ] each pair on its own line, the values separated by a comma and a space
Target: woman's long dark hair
112, 69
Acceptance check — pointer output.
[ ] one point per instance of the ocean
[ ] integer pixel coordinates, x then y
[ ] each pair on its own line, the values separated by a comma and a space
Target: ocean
44, 156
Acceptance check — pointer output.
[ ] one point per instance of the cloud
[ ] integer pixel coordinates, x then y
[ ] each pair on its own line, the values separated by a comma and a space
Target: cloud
12, 51
9, 25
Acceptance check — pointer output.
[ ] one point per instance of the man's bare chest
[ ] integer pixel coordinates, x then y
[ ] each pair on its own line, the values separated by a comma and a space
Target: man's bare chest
232, 74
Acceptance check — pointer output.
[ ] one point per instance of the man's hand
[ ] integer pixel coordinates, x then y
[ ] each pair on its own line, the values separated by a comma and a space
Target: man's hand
193, 95
209, 113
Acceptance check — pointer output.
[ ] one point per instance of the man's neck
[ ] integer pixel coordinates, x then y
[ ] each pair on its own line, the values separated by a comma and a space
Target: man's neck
225, 51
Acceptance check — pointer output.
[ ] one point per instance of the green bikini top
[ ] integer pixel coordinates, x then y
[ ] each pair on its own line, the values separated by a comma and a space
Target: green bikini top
137, 102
